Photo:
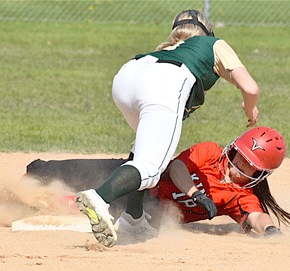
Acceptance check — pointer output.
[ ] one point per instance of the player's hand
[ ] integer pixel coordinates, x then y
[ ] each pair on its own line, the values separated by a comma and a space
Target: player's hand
253, 115
205, 203
272, 231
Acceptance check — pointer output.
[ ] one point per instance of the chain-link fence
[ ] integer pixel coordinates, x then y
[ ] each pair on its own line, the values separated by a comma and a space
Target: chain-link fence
234, 12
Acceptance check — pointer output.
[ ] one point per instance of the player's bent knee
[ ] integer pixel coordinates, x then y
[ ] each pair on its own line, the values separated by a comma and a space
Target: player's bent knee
150, 174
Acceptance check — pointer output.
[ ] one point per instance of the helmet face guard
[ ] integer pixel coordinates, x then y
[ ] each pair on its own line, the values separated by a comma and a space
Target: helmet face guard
259, 176
262, 147
194, 21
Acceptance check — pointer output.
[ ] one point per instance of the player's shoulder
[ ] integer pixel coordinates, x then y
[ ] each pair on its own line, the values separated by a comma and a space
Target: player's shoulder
222, 46
206, 150
202, 39
207, 145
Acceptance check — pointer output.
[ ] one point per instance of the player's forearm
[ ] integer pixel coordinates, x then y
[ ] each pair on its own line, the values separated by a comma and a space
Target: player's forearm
248, 87
250, 92
260, 221
180, 176
250, 101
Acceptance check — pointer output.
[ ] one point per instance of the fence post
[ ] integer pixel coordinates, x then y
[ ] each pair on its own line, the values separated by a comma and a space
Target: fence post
206, 8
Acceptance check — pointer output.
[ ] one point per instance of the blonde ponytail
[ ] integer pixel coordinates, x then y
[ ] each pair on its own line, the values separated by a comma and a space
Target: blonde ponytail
183, 32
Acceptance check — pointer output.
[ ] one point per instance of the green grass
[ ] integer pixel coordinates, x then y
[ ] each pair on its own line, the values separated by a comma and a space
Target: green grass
56, 78
232, 12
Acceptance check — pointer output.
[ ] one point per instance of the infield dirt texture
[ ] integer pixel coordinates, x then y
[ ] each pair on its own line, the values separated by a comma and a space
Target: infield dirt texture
212, 245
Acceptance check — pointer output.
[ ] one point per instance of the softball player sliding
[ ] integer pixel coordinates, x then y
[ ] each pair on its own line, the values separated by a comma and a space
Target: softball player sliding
155, 92
234, 178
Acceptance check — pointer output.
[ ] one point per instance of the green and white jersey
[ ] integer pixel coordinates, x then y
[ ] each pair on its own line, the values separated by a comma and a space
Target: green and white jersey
207, 58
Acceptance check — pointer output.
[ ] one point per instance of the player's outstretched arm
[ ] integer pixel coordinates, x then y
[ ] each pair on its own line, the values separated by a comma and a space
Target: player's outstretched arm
263, 224
250, 92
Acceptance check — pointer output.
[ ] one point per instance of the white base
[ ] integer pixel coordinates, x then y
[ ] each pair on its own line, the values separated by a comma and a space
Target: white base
53, 223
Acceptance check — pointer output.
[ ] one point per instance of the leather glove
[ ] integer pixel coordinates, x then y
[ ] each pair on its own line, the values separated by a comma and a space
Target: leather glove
205, 203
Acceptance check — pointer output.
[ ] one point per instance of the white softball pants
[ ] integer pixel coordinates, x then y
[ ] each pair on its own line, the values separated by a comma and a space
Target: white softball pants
152, 98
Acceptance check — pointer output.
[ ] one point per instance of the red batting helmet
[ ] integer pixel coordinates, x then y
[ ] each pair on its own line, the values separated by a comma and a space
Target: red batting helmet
263, 148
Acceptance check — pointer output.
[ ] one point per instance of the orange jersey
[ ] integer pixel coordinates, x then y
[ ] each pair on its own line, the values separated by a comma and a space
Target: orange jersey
202, 161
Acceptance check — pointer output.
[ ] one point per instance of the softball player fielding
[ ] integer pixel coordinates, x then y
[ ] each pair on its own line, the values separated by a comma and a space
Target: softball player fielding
156, 92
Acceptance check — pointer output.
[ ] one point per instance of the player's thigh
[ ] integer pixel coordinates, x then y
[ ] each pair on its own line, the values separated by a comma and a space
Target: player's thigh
156, 140
123, 84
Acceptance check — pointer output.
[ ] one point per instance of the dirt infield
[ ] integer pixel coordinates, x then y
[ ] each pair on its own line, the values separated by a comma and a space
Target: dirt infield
211, 245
